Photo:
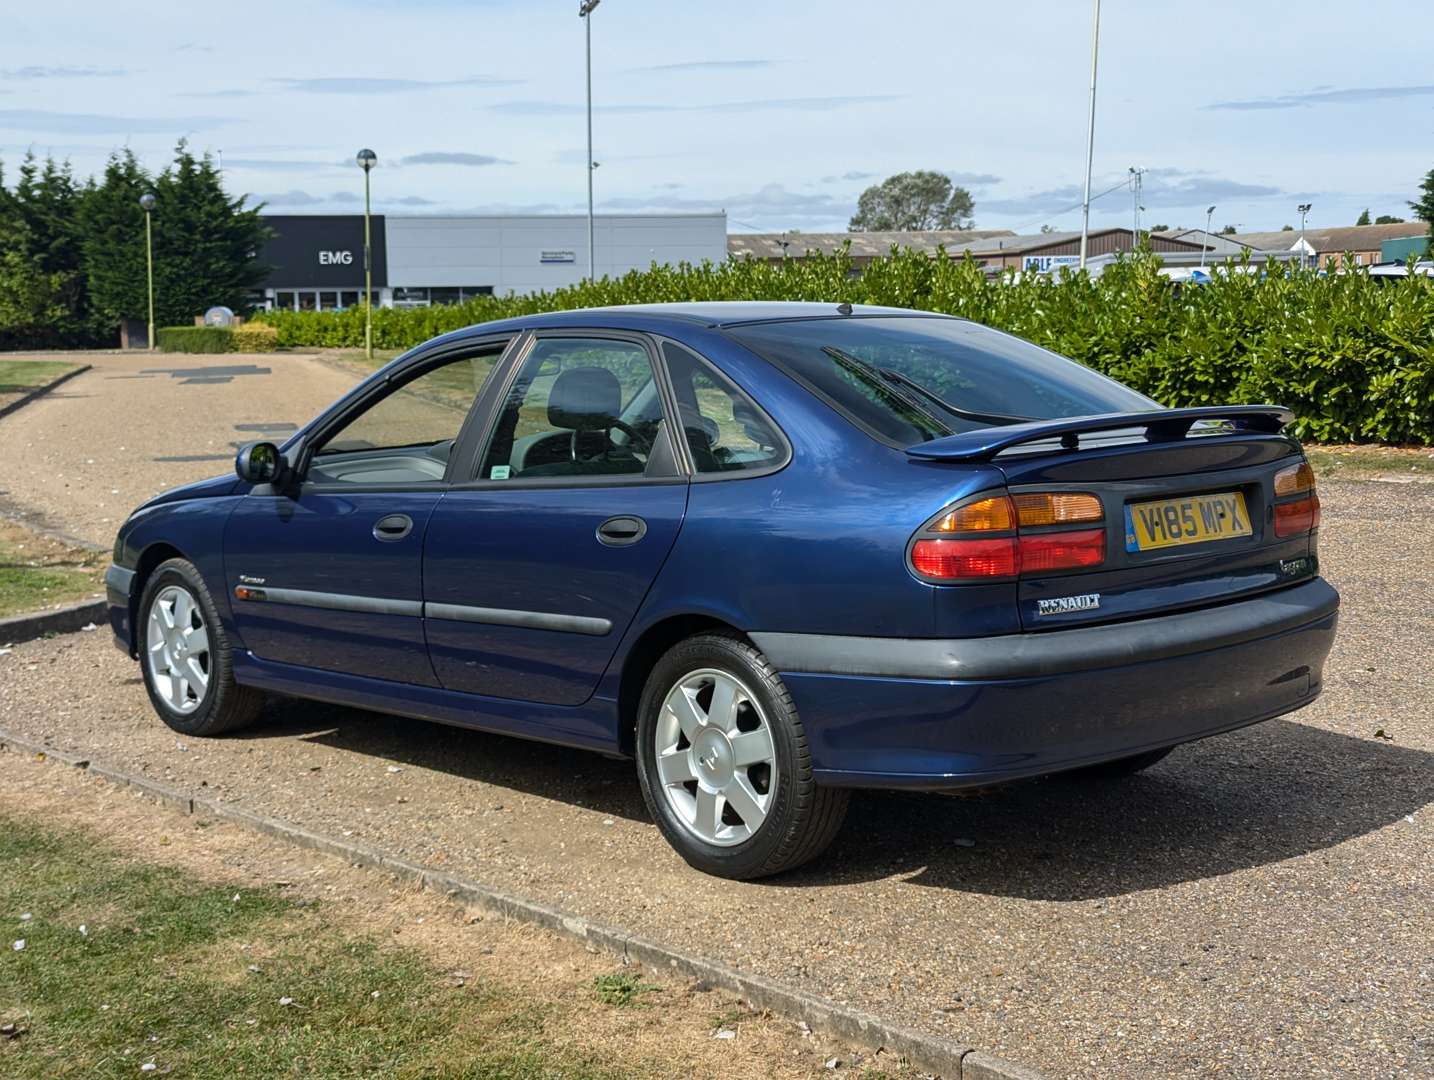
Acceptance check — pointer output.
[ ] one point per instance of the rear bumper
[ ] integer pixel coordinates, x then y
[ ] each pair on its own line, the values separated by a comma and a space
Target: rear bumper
119, 581
934, 714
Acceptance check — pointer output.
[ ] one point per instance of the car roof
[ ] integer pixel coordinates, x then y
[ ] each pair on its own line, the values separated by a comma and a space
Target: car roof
655, 317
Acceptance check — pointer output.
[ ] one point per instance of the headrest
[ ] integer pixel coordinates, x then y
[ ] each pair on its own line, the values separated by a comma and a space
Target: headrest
585, 399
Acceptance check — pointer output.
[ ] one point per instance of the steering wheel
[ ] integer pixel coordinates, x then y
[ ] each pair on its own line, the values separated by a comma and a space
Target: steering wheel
636, 443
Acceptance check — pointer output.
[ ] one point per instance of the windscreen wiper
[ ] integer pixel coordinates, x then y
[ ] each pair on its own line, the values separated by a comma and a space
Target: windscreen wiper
879, 378
890, 376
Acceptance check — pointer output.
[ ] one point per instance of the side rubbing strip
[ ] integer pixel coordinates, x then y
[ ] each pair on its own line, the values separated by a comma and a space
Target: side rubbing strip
374, 605
533, 620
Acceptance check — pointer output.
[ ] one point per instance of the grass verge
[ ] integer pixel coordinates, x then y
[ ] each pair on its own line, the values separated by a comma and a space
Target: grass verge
163, 946
128, 964
38, 572
1358, 462
17, 376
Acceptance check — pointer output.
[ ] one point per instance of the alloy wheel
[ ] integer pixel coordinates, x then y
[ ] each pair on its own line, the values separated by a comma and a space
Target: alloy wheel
178, 644
715, 759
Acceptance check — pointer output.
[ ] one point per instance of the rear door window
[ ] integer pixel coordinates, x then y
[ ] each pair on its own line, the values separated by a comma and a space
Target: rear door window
579, 409
907, 380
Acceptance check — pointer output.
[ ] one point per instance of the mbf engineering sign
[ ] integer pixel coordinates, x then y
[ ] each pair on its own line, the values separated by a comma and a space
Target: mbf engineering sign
323, 251
1049, 264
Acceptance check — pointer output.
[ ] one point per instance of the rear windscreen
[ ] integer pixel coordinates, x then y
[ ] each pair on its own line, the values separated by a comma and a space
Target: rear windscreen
909, 379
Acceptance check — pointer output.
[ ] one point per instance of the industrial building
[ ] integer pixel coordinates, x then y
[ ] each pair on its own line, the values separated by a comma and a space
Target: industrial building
317, 263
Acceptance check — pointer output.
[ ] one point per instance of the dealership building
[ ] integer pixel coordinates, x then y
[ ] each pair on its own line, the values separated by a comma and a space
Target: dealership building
418, 260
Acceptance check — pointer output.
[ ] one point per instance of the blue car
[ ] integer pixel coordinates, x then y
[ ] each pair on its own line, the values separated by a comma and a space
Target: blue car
772, 552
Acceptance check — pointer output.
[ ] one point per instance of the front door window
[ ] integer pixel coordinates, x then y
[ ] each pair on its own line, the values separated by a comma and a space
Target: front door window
405, 437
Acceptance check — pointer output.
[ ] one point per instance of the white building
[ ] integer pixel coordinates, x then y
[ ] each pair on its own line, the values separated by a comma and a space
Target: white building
317, 259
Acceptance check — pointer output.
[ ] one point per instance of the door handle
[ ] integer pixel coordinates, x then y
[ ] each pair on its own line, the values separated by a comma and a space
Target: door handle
393, 527
621, 531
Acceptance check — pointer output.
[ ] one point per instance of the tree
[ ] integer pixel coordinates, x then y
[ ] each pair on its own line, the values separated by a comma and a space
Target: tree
1388, 219
112, 227
205, 244
1159, 228
1228, 230
32, 301
1363, 218
47, 202
1423, 207
913, 200
1287, 228
209, 242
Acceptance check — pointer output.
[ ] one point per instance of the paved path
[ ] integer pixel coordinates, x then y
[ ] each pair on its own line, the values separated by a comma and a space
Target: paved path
138, 423
1259, 905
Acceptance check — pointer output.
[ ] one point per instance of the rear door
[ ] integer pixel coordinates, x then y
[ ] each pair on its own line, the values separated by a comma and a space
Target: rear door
535, 566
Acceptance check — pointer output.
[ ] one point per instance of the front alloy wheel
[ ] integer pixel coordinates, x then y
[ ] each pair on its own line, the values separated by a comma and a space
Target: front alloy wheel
185, 655
178, 646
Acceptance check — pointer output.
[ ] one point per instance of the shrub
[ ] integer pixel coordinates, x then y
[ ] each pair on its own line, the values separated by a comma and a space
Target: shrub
1354, 357
195, 339
252, 337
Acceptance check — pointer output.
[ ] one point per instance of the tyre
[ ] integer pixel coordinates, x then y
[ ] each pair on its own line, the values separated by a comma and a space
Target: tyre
723, 762
185, 656
1126, 766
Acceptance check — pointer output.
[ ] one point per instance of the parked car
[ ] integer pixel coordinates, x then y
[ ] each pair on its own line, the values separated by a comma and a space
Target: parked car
773, 552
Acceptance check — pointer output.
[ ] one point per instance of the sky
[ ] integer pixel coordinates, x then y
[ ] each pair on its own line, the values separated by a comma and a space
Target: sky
779, 112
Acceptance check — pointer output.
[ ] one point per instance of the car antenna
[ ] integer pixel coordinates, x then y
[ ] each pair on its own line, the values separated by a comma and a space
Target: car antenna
843, 308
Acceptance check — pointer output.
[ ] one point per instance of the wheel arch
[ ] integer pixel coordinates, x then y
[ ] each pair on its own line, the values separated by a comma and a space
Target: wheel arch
643, 656
156, 553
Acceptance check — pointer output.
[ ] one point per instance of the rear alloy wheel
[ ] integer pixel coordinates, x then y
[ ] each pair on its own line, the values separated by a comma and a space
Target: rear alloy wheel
185, 656
724, 765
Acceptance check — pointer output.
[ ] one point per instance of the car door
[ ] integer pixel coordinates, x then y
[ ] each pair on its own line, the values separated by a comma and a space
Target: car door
327, 573
535, 567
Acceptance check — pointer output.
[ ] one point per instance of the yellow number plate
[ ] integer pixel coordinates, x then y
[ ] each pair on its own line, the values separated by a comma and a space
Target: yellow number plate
1193, 519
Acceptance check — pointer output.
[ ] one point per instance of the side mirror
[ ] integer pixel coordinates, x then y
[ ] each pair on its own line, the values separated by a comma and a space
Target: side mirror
260, 463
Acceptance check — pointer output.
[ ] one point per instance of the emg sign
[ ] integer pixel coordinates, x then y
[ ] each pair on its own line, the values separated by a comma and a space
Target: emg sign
324, 251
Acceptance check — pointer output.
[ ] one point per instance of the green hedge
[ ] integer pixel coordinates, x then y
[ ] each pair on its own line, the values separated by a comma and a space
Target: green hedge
194, 339
1354, 357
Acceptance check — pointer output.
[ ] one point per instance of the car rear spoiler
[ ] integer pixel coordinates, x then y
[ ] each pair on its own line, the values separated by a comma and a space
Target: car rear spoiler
1162, 425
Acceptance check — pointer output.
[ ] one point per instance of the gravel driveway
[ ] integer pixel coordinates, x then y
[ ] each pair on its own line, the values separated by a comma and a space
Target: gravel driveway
138, 423
1258, 905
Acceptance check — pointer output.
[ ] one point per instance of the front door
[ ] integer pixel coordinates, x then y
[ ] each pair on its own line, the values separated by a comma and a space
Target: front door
534, 569
329, 574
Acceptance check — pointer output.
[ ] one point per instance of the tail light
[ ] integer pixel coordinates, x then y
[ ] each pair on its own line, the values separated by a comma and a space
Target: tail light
1001, 537
1296, 501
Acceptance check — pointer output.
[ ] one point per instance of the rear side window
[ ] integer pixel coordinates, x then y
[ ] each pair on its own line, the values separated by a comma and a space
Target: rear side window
907, 380
725, 431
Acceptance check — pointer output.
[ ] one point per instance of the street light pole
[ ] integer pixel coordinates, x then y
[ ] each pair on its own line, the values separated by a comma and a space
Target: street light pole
367, 159
585, 10
1090, 135
146, 202
1209, 213
1303, 208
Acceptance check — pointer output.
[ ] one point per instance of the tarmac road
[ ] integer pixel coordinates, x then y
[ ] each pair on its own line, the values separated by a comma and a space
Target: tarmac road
1258, 905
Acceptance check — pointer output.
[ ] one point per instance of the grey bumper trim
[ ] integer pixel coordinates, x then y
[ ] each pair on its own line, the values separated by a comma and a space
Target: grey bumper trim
532, 620
1015, 656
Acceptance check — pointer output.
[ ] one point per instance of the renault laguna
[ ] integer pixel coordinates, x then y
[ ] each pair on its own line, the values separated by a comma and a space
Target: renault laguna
771, 552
